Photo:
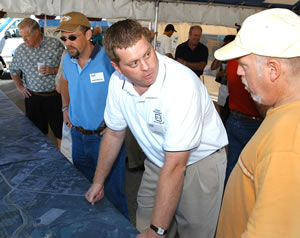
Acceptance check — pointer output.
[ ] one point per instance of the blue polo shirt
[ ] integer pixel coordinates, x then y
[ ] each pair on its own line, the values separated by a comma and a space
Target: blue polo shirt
88, 88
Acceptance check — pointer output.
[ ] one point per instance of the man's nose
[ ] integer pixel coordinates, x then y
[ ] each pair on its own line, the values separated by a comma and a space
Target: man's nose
144, 65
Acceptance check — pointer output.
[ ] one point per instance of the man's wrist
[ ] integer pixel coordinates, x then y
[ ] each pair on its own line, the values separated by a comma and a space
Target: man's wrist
64, 108
158, 230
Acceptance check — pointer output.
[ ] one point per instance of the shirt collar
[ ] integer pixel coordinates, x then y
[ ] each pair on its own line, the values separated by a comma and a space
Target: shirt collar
43, 41
94, 52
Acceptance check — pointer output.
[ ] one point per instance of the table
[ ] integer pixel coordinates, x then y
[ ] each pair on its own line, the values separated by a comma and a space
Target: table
41, 192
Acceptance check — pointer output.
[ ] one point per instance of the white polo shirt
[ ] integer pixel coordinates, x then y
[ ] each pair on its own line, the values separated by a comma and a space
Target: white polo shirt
174, 114
164, 44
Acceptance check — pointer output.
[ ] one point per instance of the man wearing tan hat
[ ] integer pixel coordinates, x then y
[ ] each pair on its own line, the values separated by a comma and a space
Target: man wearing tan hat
262, 198
84, 85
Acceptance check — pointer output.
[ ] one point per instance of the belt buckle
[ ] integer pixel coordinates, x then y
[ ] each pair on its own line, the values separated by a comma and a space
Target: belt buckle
80, 129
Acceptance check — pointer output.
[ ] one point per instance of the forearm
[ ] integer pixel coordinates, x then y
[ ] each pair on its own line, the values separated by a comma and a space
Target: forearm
169, 189
195, 65
19, 84
215, 64
169, 55
110, 147
64, 92
18, 81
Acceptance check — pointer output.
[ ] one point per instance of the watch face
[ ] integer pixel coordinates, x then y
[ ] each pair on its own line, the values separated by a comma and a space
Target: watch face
160, 231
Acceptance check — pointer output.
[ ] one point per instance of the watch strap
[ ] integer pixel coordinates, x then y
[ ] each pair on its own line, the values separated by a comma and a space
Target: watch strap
159, 231
64, 108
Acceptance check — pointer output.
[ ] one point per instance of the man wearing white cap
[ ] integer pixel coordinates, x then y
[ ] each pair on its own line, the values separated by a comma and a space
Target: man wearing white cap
262, 198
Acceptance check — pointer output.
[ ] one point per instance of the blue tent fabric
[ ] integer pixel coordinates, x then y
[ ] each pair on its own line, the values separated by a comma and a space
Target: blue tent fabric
41, 192
104, 24
252, 3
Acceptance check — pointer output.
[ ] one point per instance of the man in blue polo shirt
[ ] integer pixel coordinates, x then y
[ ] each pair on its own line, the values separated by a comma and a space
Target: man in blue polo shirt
84, 85
192, 53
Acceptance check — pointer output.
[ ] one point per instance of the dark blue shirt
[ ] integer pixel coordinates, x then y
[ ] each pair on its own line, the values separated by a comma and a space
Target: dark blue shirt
200, 53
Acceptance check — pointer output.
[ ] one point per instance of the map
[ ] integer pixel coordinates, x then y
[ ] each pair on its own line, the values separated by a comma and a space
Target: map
41, 192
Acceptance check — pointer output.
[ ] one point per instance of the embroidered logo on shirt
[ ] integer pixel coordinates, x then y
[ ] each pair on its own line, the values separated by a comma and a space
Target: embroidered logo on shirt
158, 118
157, 122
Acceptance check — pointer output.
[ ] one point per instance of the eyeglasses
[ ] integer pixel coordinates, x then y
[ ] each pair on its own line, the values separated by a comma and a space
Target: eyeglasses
70, 37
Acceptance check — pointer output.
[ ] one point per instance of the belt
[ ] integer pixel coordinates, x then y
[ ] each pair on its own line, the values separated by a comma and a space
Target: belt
89, 132
44, 94
245, 116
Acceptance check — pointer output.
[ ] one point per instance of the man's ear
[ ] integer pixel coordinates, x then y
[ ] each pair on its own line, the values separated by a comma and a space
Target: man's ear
274, 67
116, 67
89, 34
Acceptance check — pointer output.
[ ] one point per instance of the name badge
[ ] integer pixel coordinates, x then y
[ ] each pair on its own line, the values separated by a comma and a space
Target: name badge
97, 77
158, 129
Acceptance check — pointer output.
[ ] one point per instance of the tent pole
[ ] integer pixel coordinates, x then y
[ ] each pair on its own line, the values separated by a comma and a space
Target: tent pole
156, 20
45, 24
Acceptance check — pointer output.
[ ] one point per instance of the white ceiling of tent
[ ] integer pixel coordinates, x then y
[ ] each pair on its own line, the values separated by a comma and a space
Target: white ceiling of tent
169, 11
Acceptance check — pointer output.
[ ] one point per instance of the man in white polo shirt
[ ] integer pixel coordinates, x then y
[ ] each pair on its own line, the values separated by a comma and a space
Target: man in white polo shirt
171, 115
164, 42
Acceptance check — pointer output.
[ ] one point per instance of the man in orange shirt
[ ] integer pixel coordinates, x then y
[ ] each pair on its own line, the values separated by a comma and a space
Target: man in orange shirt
262, 197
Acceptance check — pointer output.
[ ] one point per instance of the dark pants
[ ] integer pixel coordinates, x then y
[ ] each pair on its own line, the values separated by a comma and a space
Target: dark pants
42, 110
239, 131
85, 149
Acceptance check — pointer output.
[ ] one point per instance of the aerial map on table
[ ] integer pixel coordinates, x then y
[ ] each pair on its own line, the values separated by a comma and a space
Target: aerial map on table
41, 193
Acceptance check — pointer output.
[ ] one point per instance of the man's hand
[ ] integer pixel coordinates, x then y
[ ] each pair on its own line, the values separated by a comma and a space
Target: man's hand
103, 132
24, 91
46, 70
95, 193
180, 60
67, 119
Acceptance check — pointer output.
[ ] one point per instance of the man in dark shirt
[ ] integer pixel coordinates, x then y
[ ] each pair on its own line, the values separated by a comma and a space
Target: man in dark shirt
192, 53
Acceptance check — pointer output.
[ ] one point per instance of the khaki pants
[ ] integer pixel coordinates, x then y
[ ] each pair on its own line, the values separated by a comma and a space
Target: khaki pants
199, 205
135, 155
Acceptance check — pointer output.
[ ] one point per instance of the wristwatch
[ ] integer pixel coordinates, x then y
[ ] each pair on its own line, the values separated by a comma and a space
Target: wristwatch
64, 108
159, 231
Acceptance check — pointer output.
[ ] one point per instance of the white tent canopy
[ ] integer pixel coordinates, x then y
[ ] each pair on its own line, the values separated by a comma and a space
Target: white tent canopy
211, 14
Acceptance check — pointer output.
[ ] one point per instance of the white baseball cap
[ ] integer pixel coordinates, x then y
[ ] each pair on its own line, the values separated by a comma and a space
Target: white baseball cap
274, 32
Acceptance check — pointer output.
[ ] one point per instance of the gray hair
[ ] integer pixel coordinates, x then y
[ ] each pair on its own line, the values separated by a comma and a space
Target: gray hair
30, 24
292, 63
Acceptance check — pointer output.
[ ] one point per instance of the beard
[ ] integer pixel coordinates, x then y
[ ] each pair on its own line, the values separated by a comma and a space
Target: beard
75, 54
255, 98
244, 81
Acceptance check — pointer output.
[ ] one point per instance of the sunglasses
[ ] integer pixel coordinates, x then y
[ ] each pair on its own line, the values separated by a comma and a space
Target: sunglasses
70, 37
